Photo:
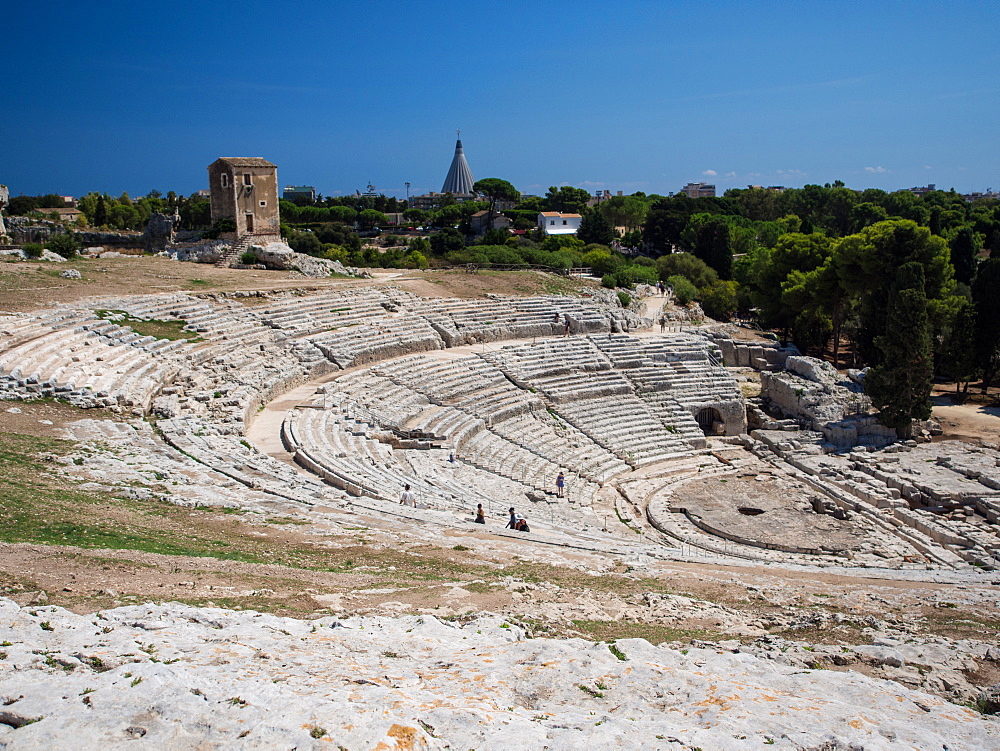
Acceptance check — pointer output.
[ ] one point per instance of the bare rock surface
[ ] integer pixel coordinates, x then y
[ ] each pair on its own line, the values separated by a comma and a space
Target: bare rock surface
183, 677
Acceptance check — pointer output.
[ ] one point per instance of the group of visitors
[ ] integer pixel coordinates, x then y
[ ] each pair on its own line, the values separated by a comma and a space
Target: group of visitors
516, 521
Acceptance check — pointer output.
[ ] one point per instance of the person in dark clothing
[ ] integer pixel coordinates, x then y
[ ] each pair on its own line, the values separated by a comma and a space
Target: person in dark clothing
480, 514
517, 522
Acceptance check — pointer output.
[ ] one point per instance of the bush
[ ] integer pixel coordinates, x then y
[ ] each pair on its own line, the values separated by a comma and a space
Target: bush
624, 298
632, 275
304, 242
447, 240
221, 225
248, 258
720, 300
63, 244
608, 280
415, 260
33, 250
555, 243
603, 261
684, 291
500, 254
692, 268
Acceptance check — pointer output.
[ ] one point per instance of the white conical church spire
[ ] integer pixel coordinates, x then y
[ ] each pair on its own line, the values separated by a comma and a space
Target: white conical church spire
459, 179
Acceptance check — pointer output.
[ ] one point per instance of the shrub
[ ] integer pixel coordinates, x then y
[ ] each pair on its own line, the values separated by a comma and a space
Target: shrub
554, 243
304, 242
63, 244
500, 254
415, 260
720, 300
692, 268
608, 280
684, 291
221, 225
624, 298
33, 250
248, 258
603, 261
631, 275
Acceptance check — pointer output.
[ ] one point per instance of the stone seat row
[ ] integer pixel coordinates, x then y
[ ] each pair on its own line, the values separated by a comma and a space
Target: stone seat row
572, 449
360, 344
317, 439
226, 455
627, 428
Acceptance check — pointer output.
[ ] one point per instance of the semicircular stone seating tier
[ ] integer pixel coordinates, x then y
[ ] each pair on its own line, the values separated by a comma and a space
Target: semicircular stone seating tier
594, 405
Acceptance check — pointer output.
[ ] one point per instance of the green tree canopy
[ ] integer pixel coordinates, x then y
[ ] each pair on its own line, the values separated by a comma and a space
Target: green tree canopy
625, 211
566, 200
594, 228
495, 190
692, 268
867, 263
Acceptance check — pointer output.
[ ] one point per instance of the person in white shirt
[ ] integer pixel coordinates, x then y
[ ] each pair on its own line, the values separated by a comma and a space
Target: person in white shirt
408, 498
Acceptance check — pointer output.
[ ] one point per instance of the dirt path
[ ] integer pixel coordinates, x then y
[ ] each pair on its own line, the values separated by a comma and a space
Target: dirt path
967, 422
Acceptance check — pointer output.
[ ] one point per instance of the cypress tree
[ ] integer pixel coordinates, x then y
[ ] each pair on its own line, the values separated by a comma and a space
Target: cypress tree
101, 212
986, 296
963, 254
900, 385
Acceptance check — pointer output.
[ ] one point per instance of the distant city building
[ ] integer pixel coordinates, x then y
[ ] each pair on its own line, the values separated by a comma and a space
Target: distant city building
70, 201
478, 222
599, 196
305, 192
699, 190
458, 183
555, 223
245, 189
990, 194
772, 188
433, 200
204, 193
930, 187
63, 215
459, 180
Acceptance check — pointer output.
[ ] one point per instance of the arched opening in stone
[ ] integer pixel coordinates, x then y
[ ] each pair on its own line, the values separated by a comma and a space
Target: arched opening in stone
709, 420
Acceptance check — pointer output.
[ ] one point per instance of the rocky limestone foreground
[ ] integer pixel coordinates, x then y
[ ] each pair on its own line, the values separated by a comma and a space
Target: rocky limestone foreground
178, 677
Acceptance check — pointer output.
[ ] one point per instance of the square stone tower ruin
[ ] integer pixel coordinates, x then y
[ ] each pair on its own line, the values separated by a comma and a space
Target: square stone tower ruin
245, 189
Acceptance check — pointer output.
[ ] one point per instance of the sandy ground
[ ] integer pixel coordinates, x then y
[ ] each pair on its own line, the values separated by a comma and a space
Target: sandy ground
26, 286
972, 422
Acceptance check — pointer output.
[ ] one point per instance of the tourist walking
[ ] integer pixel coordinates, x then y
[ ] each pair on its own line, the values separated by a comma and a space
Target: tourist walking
561, 485
566, 325
408, 498
663, 323
480, 514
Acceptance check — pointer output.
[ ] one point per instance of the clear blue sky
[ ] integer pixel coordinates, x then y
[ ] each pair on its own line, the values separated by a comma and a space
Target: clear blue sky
133, 96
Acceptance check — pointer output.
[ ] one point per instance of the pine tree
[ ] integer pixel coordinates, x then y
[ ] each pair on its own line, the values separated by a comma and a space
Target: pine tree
900, 386
594, 228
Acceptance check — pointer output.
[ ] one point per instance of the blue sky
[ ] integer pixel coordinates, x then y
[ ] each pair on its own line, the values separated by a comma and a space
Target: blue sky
133, 96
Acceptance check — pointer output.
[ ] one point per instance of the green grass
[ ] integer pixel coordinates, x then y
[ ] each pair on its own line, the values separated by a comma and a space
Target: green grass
172, 330
654, 633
